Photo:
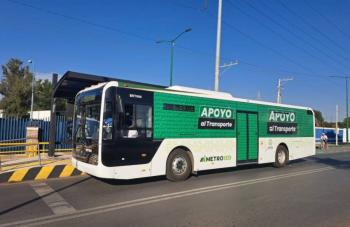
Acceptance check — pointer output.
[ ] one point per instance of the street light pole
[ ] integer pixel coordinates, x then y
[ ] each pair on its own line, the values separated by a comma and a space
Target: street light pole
172, 43
347, 104
171, 62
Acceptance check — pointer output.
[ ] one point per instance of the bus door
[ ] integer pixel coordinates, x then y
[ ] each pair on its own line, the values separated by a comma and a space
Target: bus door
247, 137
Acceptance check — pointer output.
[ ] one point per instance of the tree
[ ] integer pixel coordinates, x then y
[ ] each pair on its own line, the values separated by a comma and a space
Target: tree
319, 120
43, 92
15, 88
61, 105
343, 124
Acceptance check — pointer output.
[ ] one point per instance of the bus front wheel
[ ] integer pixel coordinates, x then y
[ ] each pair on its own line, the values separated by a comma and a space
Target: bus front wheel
281, 158
178, 166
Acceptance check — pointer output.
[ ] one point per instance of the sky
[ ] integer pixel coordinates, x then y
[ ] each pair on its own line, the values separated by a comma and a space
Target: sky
308, 40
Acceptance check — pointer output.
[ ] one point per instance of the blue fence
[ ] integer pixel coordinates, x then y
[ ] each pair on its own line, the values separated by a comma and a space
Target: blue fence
331, 134
14, 130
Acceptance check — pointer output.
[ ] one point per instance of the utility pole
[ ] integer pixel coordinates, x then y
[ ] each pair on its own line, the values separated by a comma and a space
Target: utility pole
225, 67
336, 124
279, 95
279, 87
347, 104
218, 46
258, 96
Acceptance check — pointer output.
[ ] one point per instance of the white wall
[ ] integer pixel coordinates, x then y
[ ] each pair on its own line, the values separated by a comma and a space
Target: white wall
41, 115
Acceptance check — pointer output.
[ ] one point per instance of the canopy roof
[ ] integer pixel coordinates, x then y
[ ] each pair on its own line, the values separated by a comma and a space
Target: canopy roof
72, 82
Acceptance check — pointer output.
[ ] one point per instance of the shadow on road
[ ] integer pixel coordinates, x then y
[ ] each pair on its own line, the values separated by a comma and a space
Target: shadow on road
199, 173
163, 178
40, 197
297, 161
131, 181
336, 163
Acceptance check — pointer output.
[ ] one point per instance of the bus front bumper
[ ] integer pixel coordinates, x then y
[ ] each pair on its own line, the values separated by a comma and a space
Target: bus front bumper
119, 172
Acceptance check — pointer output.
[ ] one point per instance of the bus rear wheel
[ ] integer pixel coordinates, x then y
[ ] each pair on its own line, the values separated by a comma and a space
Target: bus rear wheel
281, 157
178, 166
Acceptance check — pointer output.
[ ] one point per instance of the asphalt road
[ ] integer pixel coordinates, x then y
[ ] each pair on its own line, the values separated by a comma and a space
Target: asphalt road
310, 192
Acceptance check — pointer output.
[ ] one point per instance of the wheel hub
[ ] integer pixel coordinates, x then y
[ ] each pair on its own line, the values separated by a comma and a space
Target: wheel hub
281, 156
179, 165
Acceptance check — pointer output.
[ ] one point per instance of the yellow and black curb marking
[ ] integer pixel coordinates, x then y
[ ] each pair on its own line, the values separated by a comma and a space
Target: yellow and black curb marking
39, 173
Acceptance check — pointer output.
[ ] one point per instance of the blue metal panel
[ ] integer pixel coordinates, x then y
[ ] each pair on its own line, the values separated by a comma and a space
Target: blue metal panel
330, 132
14, 129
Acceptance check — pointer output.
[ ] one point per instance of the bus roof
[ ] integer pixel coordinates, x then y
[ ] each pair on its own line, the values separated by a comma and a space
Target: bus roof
223, 95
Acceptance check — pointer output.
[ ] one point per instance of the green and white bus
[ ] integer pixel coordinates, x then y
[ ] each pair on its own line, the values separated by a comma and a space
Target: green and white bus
126, 131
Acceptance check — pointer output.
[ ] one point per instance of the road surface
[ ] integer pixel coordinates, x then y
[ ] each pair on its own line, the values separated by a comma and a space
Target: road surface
310, 192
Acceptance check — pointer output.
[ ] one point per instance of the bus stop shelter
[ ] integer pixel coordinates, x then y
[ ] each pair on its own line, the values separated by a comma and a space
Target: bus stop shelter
67, 88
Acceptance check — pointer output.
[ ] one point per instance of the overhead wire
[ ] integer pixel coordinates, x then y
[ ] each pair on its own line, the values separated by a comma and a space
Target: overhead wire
264, 45
272, 50
84, 21
294, 34
145, 38
309, 81
327, 19
306, 33
305, 21
261, 68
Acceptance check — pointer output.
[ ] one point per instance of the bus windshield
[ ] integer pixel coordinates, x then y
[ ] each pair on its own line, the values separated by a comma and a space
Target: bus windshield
87, 110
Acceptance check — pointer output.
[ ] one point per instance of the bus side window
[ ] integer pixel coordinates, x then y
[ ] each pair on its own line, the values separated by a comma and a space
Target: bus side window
137, 121
144, 120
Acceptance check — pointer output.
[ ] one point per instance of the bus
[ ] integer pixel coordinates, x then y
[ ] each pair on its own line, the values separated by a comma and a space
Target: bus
126, 131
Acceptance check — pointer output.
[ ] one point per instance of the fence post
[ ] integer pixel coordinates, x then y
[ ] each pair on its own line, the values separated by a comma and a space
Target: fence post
52, 133
39, 155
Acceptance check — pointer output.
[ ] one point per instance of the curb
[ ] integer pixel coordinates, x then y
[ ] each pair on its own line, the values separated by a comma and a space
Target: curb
39, 173
331, 152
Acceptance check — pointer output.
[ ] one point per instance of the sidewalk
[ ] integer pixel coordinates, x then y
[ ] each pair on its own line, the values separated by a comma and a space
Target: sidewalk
334, 149
13, 163
24, 169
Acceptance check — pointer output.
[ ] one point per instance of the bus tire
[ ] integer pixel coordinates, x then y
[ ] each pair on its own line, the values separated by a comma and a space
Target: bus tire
179, 166
281, 157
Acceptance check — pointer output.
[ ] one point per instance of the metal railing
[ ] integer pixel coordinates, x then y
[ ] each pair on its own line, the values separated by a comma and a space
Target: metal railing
16, 156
